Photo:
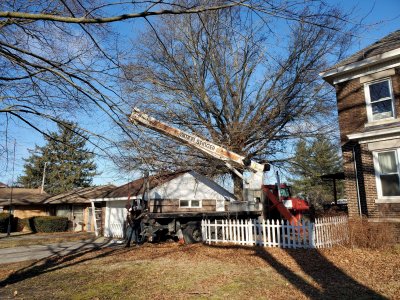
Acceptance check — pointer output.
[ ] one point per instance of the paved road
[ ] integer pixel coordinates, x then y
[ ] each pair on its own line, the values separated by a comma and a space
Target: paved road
35, 252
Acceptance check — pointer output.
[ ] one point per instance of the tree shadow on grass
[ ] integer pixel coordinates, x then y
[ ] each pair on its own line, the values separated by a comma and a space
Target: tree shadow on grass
58, 260
333, 282
75, 256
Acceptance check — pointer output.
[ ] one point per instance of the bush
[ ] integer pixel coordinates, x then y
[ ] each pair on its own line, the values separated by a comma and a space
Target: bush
49, 224
371, 235
4, 221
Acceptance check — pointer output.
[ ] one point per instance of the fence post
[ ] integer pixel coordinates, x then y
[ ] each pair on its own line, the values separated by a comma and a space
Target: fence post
223, 231
311, 229
278, 231
272, 233
315, 233
209, 231
249, 235
216, 231
230, 237
203, 232
245, 230
234, 230
253, 232
284, 234
264, 233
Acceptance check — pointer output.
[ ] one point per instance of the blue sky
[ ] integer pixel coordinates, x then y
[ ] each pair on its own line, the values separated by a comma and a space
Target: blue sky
383, 17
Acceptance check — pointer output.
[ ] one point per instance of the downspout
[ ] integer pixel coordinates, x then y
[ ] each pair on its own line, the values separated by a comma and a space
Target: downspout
357, 187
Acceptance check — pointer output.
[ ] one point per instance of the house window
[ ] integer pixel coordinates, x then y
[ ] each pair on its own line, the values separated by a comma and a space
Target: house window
388, 173
379, 98
190, 203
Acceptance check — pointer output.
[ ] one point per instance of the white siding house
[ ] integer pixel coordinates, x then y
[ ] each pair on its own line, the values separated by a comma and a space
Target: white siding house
179, 192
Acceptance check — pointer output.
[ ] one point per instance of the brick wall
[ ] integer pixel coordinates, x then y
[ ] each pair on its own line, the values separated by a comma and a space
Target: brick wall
28, 211
366, 184
352, 106
365, 177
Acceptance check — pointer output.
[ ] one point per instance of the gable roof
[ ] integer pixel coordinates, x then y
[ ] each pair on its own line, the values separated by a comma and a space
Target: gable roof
80, 195
3, 185
22, 196
386, 44
385, 49
135, 188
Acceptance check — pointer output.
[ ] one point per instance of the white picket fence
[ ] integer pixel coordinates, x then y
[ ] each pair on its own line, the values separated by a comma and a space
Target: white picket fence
323, 233
115, 230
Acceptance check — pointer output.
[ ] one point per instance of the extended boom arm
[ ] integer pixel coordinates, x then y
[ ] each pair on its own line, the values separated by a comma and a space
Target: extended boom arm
214, 150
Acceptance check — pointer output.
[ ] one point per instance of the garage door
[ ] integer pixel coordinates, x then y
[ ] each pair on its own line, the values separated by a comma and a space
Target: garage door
114, 226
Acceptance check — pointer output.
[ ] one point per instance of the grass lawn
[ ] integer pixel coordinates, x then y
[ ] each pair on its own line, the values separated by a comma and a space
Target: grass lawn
172, 271
27, 239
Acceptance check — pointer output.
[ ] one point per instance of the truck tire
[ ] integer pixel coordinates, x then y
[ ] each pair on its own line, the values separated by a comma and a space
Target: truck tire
192, 234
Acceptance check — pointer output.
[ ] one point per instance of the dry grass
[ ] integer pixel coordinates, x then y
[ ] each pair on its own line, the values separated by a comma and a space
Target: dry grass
171, 271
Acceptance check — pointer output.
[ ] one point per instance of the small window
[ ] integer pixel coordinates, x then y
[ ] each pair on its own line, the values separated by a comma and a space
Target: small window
388, 173
379, 100
195, 203
184, 203
190, 203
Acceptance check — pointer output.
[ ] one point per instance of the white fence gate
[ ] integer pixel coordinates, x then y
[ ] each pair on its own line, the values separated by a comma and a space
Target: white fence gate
324, 232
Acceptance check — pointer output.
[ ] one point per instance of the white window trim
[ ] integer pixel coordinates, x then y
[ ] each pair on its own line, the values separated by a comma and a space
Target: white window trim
381, 198
190, 203
368, 100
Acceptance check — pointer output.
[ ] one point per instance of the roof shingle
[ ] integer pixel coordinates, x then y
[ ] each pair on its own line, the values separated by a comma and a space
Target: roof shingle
22, 196
80, 195
386, 44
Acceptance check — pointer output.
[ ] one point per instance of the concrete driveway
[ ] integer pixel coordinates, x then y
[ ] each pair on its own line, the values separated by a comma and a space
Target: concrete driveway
35, 252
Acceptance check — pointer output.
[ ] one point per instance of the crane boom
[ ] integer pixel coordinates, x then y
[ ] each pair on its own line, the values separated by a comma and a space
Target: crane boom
194, 141
256, 177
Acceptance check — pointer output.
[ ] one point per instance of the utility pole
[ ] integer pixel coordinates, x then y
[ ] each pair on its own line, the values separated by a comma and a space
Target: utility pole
44, 175
11, 193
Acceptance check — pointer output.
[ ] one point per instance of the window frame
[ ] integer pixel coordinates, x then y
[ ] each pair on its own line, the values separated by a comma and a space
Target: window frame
190, 203
378, 173
369, 102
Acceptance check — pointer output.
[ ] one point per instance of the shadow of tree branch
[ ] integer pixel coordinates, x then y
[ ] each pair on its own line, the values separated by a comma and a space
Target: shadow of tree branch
333, 282
58, 261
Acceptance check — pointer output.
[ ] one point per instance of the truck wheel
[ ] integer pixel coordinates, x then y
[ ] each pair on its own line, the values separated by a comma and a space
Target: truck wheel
192, 234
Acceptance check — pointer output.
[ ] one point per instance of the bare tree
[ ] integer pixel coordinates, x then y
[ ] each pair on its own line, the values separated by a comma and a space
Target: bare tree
235, 81
62, 58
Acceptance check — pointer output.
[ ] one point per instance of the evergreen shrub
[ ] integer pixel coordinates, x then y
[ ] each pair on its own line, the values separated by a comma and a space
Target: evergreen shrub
50, 224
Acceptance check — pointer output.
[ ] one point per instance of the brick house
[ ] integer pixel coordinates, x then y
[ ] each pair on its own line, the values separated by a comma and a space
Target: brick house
368, 99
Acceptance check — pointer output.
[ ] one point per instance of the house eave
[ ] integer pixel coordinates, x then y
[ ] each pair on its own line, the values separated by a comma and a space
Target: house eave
330, 75
373, 135
114, 199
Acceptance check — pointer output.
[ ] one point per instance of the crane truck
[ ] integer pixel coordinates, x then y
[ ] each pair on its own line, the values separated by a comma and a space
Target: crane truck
276, 200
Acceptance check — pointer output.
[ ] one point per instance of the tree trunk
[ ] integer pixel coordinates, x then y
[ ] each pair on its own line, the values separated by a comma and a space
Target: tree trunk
237, 186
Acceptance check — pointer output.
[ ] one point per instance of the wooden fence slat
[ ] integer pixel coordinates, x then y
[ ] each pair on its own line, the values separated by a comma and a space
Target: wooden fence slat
264, 233
273, 233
